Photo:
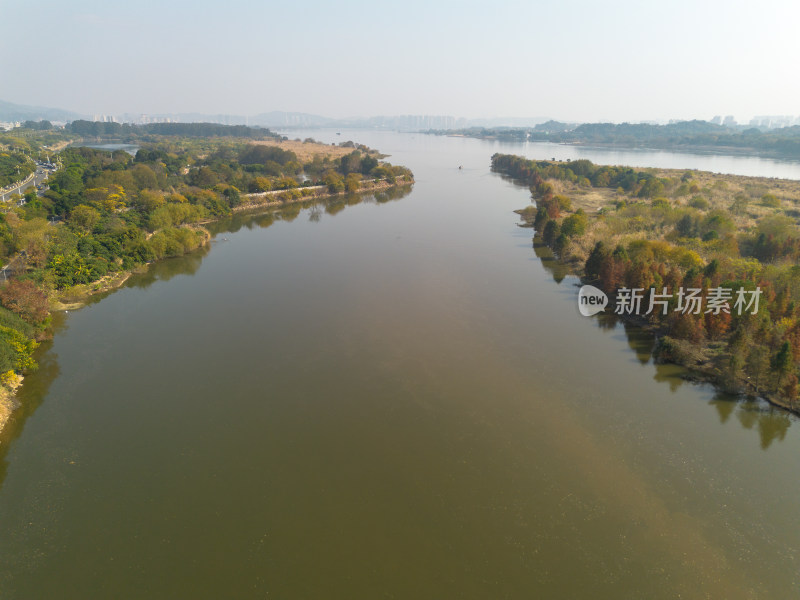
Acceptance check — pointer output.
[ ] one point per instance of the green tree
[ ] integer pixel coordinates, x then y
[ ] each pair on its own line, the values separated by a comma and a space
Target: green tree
575, 225
561, 243
551, 232
782, 362
149, 200
594, 263
84, 217
367, 164
334, 181
350, 163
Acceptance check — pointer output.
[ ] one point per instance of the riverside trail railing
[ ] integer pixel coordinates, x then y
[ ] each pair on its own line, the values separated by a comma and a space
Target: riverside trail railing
17, 185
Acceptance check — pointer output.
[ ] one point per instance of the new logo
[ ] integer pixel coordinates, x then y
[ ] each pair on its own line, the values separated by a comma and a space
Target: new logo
591, 300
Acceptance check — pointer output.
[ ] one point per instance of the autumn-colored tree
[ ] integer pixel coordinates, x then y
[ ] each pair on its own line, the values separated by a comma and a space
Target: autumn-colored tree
25, 299
687, 326
612, 273
177, 199
285, 183
16, 351
352, 182
260, 184
551, 205
793, 337
564, 202
672, 279
334, 181
36, 251
640, 275
790, 389
717, 325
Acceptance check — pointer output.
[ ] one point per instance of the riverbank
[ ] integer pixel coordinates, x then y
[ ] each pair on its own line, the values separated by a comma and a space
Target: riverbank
8, 400
277, 198
78, 296
685, 136
660, 233
108, 214
701, 361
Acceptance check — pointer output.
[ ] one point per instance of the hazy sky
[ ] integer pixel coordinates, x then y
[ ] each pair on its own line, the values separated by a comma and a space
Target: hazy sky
571, 60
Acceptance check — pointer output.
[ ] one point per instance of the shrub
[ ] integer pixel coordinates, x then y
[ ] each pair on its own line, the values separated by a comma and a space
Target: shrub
25, 299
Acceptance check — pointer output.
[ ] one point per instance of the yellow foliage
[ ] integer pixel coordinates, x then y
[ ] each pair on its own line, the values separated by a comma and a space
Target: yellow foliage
685, 258
96, 195
113, 203
784, 324
8, 378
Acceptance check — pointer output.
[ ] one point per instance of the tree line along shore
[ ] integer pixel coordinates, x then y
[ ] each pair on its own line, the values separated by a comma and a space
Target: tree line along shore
107, 213
783, 142
661, 235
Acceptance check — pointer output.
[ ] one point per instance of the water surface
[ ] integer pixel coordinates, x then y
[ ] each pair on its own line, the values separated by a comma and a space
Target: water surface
391, 397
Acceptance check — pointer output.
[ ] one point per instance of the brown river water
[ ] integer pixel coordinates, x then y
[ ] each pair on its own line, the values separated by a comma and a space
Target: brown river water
388, 397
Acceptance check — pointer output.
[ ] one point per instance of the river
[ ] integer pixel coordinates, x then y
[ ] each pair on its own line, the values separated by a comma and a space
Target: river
389, 397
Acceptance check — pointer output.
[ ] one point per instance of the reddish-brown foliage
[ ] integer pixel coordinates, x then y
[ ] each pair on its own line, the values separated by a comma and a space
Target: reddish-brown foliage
25, 299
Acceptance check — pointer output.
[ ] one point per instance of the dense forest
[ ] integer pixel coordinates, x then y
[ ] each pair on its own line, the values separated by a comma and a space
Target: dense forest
105, 213
733, 241
784, 142
131, 132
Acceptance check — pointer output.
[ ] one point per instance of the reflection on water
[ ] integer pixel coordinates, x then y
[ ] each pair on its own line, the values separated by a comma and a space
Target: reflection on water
773, 423
164, 270
260, 218
36, 385
396, 402
31, 394
550, 261
641, 341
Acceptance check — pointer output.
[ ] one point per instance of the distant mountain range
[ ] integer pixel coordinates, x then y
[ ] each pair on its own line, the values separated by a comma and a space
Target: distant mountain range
281, 119
10, 112
20, 112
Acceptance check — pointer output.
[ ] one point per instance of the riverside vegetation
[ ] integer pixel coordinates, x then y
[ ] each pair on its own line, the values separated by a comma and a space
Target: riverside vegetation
684, 135
107, 213
619, 227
